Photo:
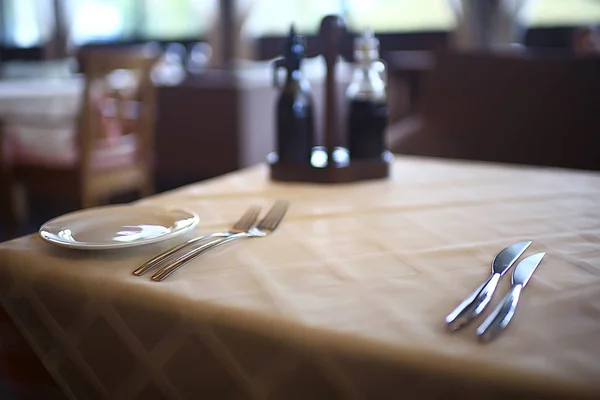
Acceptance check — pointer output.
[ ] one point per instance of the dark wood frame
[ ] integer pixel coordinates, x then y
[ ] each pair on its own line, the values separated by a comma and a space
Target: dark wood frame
7, 210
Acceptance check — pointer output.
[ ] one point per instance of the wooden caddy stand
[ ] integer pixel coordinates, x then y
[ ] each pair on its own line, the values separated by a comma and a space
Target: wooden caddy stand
358, 170
331, 33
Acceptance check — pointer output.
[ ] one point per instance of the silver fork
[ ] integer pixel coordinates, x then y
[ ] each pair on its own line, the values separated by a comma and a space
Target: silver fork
246, 221
265, 227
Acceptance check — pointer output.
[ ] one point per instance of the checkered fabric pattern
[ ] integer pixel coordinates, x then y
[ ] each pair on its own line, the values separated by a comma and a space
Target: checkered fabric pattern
22, 375
346, 300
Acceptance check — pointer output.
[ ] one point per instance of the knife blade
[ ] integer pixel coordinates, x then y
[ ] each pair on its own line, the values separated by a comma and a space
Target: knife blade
474, 305
503, 313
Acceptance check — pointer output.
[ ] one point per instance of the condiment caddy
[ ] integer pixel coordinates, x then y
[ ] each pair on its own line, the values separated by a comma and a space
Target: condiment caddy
298, 156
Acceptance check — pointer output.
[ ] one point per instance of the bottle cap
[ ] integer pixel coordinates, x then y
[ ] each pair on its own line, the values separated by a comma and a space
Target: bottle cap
366, 47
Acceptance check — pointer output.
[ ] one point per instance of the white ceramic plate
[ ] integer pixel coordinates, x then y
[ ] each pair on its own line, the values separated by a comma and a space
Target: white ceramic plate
113, 227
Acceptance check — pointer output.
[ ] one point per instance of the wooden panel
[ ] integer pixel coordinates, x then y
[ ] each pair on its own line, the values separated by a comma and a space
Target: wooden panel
517, 108
197, 130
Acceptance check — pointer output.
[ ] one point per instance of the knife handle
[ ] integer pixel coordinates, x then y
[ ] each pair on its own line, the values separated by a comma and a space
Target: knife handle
501, 316
473, 305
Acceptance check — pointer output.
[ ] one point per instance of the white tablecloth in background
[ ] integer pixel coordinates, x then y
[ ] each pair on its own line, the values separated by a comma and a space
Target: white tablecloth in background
50, 97
40, 114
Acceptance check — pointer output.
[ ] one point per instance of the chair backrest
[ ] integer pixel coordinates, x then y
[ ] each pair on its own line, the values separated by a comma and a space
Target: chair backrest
4, 164
7, 216
118, 99
516, 108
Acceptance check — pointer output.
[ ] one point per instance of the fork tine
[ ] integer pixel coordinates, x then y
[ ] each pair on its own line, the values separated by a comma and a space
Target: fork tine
247, 219
274, 216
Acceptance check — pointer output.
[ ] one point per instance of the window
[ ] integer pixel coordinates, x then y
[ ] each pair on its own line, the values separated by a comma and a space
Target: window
26, 22
270, 17
101, 20
564, 13
275, 16
400, 15
175, 19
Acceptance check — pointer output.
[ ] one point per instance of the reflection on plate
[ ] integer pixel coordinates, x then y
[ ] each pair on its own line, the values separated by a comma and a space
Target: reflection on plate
114, 227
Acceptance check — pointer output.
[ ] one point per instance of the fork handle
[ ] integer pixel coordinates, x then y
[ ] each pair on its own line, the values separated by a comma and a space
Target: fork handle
190, 255
151, 264
473, 305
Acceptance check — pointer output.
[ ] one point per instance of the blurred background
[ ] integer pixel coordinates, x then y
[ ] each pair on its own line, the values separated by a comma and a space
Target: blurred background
30, 24
512, 81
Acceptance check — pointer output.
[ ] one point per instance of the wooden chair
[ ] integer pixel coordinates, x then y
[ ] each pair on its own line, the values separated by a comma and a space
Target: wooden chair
523, 108
7, 214
112, 150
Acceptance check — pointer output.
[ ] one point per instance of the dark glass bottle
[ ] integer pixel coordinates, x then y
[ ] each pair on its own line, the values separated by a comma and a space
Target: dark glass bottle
294, 112
368, 111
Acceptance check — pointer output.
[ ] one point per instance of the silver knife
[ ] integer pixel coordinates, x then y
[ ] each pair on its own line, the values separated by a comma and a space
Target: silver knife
473, 305
503, 313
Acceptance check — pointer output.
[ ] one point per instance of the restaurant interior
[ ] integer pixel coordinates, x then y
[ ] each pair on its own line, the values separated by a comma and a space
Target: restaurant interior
109, 102
457, 88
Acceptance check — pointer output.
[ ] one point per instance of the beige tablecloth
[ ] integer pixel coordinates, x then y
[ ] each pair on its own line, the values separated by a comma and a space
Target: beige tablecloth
346, 300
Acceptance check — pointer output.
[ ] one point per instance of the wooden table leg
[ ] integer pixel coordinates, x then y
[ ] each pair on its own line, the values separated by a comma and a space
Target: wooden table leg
8, 220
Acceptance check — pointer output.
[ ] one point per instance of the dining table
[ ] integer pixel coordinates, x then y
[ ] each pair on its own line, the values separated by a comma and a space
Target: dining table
40, 113
59, 96
347, 298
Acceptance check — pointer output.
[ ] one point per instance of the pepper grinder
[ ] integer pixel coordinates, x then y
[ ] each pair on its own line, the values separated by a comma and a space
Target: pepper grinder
331, 33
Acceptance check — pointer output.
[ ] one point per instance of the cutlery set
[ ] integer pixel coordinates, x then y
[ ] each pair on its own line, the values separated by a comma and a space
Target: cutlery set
470, 309
245, 227
500, 317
